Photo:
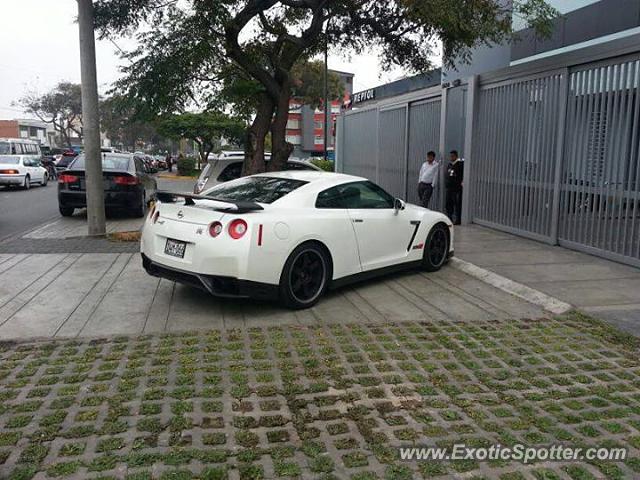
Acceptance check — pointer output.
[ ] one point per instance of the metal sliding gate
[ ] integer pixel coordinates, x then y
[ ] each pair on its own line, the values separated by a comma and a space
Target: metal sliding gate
556, 157
600, 207
514, 155
388, 144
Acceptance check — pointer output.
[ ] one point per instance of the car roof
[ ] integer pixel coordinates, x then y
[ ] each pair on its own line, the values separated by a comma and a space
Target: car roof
313, 176
20, 140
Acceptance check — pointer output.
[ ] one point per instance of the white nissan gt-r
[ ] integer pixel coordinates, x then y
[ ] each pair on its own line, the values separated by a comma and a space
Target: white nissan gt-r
289, 235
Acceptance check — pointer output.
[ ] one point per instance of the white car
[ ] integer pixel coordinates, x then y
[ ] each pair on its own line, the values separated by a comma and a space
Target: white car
22, 171
289, 235
229, 167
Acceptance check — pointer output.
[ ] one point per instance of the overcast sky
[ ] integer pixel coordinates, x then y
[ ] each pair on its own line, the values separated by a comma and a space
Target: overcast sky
39, 48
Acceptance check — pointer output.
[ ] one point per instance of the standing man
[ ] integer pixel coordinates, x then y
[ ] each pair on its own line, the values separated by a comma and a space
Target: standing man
428, 179
454, 180
169, 161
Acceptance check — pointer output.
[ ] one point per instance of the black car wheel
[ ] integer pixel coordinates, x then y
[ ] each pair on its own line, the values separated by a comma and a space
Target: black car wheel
45, 179
436, 249
139, 211
305, 276
27, 183
65, 211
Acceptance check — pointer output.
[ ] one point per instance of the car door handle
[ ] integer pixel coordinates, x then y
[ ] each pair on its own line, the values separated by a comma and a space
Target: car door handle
358, 220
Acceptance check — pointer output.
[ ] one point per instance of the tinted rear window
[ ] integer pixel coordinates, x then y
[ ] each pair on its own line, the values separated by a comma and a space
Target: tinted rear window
255, 189
109, 162
5, 148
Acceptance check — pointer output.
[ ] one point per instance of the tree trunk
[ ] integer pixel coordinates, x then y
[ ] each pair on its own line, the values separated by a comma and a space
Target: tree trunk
254, 148
281, 149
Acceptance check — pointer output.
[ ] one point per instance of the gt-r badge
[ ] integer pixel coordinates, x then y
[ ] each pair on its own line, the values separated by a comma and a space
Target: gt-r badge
180, 214
199, 231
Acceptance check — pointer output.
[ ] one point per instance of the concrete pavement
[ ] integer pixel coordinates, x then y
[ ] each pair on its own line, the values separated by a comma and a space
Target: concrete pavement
86, 295
604, 289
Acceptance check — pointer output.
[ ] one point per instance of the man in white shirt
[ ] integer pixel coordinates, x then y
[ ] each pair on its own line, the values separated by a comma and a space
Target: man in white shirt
428, 179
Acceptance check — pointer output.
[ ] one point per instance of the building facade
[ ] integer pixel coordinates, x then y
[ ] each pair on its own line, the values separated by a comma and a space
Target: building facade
306, 125
549, 129
28, 129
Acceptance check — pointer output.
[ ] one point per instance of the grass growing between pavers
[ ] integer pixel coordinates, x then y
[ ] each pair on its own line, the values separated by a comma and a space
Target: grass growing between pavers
320, 402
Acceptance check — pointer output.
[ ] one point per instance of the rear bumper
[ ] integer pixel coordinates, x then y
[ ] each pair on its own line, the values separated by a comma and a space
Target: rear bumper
11, 179
218, 286
71, 199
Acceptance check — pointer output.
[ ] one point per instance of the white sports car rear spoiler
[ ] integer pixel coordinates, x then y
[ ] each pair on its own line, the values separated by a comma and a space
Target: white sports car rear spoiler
227, 205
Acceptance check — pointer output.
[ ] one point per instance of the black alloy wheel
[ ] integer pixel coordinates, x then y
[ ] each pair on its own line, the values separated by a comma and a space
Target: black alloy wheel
436, 248
305, 277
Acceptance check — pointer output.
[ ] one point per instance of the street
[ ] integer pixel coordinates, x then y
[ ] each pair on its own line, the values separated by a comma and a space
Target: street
23, 210
26, 210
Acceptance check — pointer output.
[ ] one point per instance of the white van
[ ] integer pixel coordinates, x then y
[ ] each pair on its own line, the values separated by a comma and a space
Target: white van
19, 146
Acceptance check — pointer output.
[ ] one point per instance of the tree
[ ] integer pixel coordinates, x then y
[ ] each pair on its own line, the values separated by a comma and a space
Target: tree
61, 107
119, 123
194, 44
308, 83
205, 129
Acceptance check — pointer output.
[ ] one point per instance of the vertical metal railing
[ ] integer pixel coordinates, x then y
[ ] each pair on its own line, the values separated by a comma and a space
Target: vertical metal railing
515, 149
600, 177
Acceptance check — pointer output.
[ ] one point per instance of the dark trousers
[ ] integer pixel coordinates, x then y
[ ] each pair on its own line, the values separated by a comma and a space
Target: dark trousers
453, 205
425, 191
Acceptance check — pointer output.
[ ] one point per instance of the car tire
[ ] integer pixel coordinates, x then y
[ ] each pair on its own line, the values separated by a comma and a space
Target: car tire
27, 182
305, 277
436, 250
140, 210
45, 179
66, 211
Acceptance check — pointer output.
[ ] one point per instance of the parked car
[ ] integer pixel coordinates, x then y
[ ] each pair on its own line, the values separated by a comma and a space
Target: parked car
19, 146
289, 235
22, 171
160, 162
127, 184
229, 168
63, 160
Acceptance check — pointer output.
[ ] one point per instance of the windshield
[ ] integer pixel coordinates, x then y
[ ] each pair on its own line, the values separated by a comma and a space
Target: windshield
255, 189
5, 148
9, 160
109, 162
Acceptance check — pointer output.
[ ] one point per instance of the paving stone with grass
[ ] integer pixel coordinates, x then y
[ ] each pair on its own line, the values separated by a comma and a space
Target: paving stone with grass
324, 402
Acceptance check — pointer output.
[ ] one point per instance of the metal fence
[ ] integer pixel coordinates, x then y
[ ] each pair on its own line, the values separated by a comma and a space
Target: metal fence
514, 154
553, 154
600, 202
388, 144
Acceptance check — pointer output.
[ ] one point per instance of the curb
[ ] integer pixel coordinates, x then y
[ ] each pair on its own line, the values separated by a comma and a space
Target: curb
519, 290
176, 177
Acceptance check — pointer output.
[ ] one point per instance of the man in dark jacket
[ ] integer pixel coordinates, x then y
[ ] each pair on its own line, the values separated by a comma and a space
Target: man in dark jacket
454, 182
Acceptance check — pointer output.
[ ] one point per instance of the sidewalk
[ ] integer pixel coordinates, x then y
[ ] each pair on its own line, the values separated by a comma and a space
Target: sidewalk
89, 295
602, 288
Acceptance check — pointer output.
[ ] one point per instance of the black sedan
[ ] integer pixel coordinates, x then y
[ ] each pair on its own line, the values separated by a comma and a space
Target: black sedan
128, 186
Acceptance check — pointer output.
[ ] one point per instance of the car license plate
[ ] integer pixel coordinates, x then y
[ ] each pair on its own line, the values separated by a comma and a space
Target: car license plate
175, 248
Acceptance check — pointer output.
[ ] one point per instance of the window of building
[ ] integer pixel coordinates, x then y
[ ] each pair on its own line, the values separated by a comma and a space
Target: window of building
294, 139
319, 140
293, 124
317, 124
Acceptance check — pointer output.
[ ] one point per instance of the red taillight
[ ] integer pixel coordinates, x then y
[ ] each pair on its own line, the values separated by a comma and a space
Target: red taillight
67, 178
215, 229
237, 228
126, 180
156, 216
9, 172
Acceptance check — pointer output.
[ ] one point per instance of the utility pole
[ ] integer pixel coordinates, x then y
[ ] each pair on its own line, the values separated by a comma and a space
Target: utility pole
326, 94
91, 120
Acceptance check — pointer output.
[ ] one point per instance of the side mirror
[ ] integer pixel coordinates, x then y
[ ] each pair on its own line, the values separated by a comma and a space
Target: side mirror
398, 205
